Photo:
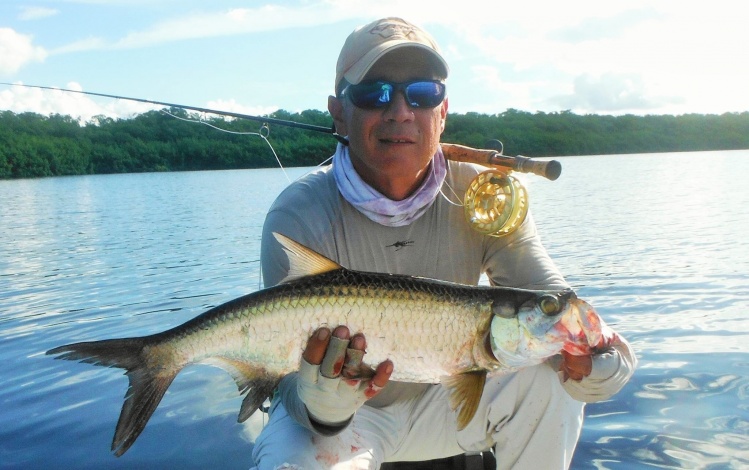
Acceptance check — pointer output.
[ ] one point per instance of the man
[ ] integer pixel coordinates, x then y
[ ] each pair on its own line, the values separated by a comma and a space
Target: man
380, 207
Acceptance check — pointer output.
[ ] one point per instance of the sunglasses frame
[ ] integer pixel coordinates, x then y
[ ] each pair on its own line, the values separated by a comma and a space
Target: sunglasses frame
360, 100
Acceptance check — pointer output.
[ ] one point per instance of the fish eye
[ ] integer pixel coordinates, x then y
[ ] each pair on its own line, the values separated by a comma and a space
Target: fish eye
549, 305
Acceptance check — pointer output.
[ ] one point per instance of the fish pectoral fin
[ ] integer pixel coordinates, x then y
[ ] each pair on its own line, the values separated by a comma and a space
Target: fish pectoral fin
303, 261
250, 379
465, 394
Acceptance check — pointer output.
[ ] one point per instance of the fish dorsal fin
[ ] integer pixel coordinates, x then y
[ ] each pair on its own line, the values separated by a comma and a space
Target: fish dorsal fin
465, 394
302, 260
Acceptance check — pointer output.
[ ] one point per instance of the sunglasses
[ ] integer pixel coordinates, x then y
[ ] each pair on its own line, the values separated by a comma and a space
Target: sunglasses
378, 94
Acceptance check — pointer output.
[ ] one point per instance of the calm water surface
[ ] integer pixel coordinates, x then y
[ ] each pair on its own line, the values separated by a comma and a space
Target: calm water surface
658, 243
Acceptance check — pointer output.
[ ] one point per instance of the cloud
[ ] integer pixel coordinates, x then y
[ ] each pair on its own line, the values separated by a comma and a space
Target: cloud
611, 93
597, 28
36, 13
233, 106
17, 50
79, 106
207, 24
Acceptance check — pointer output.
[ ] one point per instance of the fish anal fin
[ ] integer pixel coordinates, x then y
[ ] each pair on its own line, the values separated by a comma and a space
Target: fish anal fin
303, 261
258, 391
465, 393
253, 380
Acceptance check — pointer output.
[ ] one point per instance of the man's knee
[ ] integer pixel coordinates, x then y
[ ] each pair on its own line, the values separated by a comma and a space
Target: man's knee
283, 444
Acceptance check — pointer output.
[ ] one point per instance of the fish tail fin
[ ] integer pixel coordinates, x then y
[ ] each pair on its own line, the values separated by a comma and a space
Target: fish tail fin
147, 385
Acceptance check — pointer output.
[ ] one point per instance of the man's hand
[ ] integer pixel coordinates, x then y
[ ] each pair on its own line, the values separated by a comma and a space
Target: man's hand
578, 367
333, 382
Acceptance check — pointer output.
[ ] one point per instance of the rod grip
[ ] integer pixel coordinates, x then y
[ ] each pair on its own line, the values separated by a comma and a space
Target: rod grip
550, 169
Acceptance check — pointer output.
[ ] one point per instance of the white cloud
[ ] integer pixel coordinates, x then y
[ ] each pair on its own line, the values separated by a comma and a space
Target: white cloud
47, 102
611, 93
232, 106
17, 50
36, 13
19, 99
210, 24
582, 54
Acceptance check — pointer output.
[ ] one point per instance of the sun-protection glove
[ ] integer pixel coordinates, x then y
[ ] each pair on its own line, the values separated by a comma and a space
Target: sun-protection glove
335, 389
613, 363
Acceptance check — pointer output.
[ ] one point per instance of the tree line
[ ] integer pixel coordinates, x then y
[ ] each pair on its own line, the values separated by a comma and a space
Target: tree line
33, 145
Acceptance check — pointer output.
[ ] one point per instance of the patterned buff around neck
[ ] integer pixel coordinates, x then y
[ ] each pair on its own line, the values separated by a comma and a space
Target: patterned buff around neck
379, 208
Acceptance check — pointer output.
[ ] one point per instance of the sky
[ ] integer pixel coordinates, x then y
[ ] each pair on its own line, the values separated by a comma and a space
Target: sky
642, 57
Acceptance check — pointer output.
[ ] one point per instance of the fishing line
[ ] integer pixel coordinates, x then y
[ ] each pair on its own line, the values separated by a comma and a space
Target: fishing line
445, 196
261, 134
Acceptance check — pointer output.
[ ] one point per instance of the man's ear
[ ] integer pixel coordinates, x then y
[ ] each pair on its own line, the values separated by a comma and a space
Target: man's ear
335, 108
443, 113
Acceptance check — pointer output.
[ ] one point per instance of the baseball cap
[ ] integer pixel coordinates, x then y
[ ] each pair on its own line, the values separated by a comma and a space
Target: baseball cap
368, 43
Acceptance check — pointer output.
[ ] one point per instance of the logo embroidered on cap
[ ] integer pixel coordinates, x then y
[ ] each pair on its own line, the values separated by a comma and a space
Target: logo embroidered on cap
388, 30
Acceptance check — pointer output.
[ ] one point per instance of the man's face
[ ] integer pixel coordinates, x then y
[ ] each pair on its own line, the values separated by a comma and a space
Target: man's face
391, 147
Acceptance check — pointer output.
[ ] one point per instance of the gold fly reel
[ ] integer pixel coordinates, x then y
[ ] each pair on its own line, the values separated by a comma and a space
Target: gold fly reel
495, 203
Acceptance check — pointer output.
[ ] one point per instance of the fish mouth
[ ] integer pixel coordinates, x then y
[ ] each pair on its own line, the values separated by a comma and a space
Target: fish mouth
582, 326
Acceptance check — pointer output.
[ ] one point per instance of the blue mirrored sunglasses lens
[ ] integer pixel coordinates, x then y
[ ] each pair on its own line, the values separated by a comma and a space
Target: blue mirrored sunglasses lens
370, 95
426, 94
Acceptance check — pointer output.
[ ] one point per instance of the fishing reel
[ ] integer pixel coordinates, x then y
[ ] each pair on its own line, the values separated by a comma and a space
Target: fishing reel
496, 203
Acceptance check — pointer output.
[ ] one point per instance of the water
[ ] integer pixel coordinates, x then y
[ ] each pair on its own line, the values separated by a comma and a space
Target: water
658, 243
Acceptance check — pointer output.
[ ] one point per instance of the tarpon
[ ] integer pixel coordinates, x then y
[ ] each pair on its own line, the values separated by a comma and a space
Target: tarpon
433, 331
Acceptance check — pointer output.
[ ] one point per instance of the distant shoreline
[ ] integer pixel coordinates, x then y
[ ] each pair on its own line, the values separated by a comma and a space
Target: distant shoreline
33, 145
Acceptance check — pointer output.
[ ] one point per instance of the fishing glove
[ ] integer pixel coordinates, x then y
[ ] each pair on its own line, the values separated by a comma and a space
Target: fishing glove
335, 389
613, 365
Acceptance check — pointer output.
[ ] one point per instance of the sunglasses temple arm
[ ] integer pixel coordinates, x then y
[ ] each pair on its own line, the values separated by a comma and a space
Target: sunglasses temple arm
550, 169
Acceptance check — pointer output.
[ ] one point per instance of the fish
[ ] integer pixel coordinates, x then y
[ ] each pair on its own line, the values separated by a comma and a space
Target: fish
433, 331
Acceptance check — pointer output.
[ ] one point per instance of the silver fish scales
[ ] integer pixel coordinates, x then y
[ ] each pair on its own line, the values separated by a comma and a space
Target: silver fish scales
433, 331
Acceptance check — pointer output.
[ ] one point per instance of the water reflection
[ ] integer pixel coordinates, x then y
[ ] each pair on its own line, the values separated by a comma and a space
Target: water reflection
656, 242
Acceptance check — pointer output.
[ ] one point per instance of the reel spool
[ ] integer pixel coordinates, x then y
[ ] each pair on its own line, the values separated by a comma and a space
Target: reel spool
495, 203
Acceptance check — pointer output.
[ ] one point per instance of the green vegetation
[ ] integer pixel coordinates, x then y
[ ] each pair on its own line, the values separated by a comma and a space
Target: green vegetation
33, 145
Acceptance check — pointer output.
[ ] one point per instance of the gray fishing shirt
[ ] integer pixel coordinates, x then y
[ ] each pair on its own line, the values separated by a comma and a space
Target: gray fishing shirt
439, 245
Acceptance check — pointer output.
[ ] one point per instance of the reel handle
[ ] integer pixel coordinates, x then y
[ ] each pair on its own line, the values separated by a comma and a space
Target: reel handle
548, 169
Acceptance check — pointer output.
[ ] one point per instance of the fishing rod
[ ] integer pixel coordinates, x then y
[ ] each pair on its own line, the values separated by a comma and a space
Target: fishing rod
494, 157
495, 202
265, 120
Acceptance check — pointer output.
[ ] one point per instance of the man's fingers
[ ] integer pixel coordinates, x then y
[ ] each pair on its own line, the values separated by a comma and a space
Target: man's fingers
380, 379
352, 367
576, 367
316, 345
338, 354
383, 373
332, 362
320, 342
